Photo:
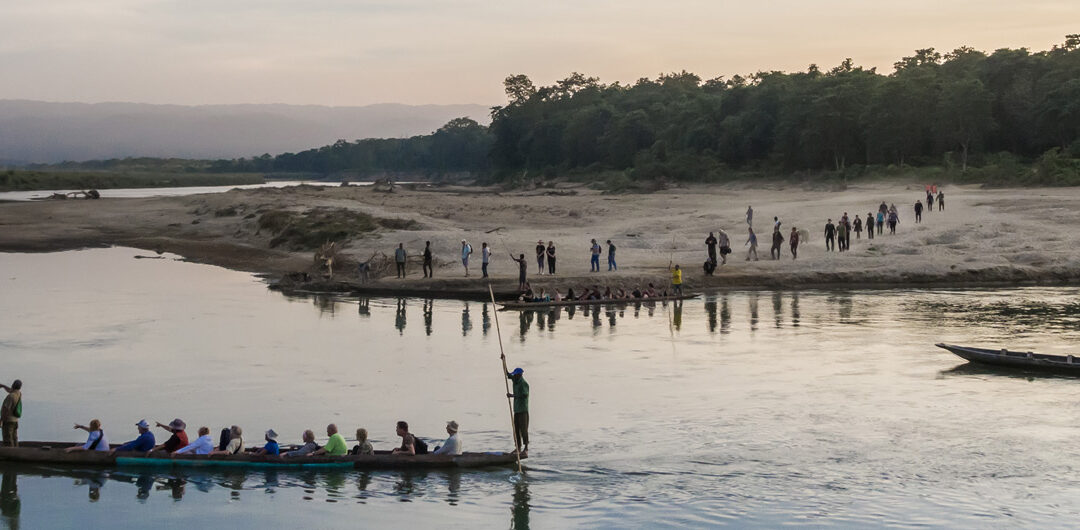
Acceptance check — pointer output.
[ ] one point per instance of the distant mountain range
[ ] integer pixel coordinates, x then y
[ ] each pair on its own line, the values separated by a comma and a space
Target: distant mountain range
43, 132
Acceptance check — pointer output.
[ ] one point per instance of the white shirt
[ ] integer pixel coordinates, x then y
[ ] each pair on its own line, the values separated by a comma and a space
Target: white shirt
103, 445
451, 447
487, 254
201, 446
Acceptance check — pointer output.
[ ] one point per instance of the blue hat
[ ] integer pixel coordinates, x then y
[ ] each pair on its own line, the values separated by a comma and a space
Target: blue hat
517, 371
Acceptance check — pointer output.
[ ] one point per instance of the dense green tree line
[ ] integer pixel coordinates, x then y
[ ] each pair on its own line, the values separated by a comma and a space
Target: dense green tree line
958, 108
460, 146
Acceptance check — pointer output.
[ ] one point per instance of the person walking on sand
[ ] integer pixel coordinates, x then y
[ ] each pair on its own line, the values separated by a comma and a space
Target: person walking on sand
611, 266
793, 240
752, 241
725, 246
750, 216
551, 257
485, 258
594, 261
399, 259
710, 245
777, 242
841, 236
776, 224
857, 226
881, 222
541, 257
523, 269
869, 225
466, 251
676, 280
894, 219
845, 221
429, 272
941, 201
918, 212
929, 200
830, 236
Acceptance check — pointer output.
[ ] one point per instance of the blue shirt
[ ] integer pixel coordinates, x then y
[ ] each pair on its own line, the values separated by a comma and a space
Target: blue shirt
272, 448
144, 442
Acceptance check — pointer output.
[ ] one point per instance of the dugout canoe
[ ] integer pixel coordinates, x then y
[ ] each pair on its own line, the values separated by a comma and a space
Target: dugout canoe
616, 301
1024, 360
53, 453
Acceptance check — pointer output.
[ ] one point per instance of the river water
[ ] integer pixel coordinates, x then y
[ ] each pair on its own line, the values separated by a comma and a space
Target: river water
133, 193
759, 409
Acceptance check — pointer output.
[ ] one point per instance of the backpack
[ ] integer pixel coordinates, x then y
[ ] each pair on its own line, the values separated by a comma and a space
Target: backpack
419, 446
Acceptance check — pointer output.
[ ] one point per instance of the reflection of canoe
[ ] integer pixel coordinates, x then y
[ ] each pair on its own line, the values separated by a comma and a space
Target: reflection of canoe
53, 453
1028, 360
620, 301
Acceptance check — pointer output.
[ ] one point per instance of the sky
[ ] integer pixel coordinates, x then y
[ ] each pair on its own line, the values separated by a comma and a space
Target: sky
358, 52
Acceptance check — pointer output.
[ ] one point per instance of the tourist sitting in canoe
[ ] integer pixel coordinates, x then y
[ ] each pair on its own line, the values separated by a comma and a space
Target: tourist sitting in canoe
143, 443
271, 448
177, 440
363, 446
202, 445
235, 445
96, 440
452, 445
335, 446
410, 445
309, 445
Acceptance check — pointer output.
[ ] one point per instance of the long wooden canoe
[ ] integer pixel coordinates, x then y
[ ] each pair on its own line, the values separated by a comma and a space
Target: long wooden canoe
1027, 360
603, 301
53, 453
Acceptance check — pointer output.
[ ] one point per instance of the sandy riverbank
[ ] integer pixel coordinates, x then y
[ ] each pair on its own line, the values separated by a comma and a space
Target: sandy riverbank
984, 236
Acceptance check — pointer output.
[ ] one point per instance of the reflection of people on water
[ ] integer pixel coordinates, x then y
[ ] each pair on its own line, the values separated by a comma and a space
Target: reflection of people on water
429, 306
676, 314
519, 519
399, 319
485, 318
10, 505
466, 320
710, 311
365, 307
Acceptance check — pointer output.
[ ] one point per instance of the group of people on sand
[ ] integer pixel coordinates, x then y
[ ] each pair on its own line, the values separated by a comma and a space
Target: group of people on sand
545, 259
590, 294
231, 442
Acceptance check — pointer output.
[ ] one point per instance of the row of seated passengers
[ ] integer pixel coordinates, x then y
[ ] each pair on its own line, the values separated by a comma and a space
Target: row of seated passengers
232, 442
589, 294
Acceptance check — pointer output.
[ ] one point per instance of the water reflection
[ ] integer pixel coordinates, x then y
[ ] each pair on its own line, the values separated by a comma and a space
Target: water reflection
519, 519
399, 316
10, 505
364, 307
466, 320
429, 305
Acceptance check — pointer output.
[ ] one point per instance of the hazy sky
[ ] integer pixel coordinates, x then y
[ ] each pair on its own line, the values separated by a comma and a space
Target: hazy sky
354, 52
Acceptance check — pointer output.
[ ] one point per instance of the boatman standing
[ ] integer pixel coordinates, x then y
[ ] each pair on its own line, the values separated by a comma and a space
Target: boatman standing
521, 409
10, 412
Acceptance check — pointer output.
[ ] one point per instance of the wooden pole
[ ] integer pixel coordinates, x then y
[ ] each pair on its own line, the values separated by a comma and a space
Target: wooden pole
506, 380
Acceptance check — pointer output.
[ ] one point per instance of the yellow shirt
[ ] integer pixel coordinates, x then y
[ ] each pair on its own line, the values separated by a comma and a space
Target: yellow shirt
676, 276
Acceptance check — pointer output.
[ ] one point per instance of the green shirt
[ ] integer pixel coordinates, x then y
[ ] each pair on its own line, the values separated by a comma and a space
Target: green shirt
521, 395
335, 446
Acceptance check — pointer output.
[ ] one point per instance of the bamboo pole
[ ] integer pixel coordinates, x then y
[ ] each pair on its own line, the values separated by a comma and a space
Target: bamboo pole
506, 380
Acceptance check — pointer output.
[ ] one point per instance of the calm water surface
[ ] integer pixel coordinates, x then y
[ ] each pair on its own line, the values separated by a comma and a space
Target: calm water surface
809, 408
130, 193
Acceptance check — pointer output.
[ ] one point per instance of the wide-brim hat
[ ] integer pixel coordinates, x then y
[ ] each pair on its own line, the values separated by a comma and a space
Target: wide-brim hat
143, 424
452, 426
177, 424
271, 435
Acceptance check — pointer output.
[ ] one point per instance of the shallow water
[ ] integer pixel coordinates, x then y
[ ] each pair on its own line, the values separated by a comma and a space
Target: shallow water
745, 408
133, 193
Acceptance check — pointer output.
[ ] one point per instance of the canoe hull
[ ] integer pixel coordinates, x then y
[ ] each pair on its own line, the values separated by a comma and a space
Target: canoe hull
53, 453
1064, 364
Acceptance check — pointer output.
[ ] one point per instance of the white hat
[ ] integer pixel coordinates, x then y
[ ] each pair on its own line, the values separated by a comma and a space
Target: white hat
143, 424
451, 426
271, 435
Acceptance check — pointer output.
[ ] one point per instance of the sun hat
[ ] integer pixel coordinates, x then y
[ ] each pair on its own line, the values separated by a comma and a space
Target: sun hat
452, 426
143, 424
517, 371
271, 435
177, 424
